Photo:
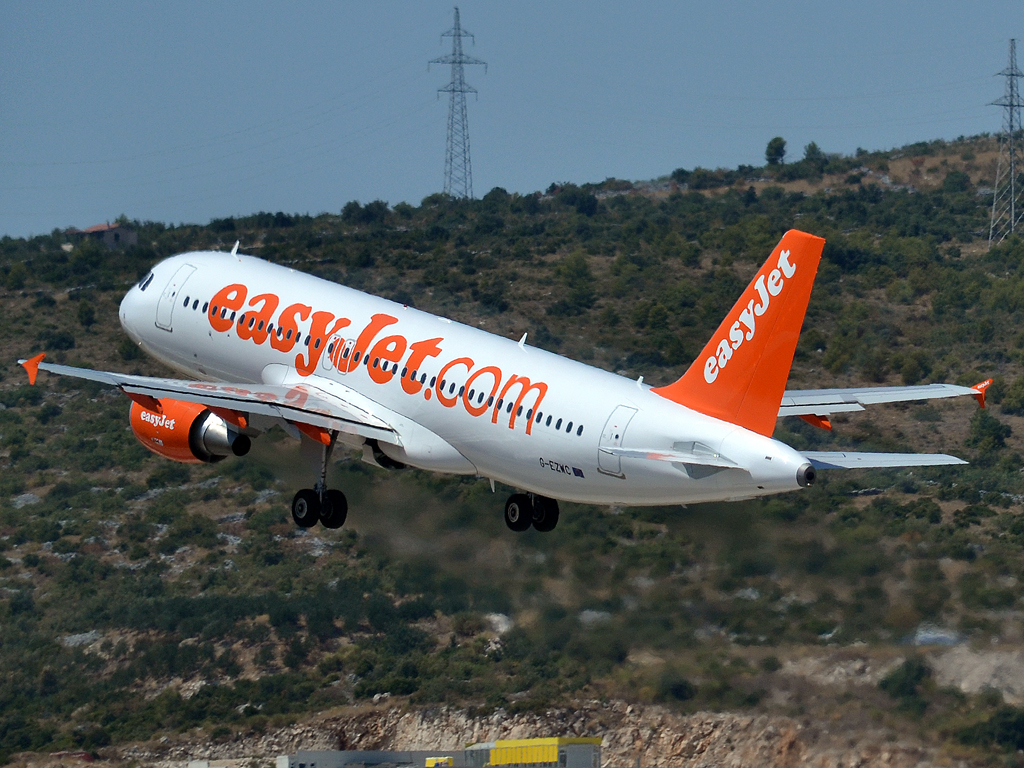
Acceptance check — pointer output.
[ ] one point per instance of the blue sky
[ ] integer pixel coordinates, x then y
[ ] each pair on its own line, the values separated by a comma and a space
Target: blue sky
187, 111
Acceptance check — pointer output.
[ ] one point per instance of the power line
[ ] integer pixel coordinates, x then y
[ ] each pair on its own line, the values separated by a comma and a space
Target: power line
1008, 197
458, 173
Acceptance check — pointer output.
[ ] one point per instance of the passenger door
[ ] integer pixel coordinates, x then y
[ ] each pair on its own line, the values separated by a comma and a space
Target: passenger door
169, 298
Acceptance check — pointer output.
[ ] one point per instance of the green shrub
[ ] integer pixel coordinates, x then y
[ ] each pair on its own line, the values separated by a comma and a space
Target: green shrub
1004, 728
978, 594
904, 680
169, 473
988, 434
673, 686
128, 350
193, 530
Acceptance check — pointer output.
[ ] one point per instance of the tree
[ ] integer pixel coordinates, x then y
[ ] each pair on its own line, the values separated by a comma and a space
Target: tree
956, 181
775, 154
353, 212
988, 434
813, 156
17, 276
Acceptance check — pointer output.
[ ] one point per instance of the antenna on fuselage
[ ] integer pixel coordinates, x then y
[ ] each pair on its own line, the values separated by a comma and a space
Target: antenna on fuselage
522, 341
234, 251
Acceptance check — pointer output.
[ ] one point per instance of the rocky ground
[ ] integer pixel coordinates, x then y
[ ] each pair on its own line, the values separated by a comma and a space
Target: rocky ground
651, 735
632, 734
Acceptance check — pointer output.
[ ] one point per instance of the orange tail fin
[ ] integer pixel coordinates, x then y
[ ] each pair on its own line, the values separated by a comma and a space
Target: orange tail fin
741, 374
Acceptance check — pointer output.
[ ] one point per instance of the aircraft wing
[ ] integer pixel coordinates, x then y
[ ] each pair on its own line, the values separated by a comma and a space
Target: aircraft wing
299, 402
854, 460
823, 402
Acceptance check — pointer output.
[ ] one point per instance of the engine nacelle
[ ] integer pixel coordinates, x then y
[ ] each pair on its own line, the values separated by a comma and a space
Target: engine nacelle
187, 432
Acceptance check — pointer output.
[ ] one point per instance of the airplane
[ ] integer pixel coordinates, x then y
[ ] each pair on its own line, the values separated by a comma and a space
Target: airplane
264, 345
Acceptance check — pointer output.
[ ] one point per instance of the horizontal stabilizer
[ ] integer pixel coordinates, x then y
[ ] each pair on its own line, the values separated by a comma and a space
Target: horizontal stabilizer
854, 460
675, 457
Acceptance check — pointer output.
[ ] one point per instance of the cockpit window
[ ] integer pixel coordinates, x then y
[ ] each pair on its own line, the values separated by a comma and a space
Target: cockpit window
145, 281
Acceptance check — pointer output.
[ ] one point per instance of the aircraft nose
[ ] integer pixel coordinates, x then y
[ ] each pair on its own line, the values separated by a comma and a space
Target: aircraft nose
126, 312
132, 307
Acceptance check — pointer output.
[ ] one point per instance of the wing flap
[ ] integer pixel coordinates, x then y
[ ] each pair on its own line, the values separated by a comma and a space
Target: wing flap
855, 460
303, 402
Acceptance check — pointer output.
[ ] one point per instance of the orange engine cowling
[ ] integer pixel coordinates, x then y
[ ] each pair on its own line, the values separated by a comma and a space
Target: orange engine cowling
188, 432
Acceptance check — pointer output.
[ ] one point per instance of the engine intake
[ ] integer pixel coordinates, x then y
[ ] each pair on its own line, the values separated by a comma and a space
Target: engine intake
187, 432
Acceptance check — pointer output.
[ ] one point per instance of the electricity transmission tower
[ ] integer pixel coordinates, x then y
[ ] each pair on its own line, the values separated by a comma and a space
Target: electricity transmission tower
1008, 198
458, 174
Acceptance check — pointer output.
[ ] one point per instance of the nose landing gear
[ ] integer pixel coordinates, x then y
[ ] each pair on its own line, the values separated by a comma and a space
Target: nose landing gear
320, 504
525, 509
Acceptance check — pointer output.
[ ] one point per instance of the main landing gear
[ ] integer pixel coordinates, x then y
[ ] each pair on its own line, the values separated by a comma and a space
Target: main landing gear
525, 509
320, 504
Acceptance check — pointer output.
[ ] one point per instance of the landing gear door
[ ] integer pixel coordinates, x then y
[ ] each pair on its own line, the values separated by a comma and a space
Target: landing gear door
611, 437
169, 298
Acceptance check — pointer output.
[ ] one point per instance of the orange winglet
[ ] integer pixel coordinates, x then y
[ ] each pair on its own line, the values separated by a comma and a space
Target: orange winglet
316, 434
31, 367
979, 391
147, 402
821, 422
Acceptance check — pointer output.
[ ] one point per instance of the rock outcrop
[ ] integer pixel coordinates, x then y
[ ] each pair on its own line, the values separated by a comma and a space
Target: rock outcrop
632, 735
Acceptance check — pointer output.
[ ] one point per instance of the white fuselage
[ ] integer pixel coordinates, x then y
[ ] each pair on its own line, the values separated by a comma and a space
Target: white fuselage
580, 408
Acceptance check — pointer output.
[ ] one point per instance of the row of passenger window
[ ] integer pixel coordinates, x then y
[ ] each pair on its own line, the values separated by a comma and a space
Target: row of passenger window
252, 323
358, 356
479, 397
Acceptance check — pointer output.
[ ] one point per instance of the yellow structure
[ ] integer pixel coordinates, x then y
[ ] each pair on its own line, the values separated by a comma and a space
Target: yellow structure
438, 762
539, 753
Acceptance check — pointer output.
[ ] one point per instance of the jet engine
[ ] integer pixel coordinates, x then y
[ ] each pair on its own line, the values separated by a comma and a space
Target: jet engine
188, 432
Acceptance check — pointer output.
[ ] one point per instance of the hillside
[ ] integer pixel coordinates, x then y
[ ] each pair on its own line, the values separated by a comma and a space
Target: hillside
141, 599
